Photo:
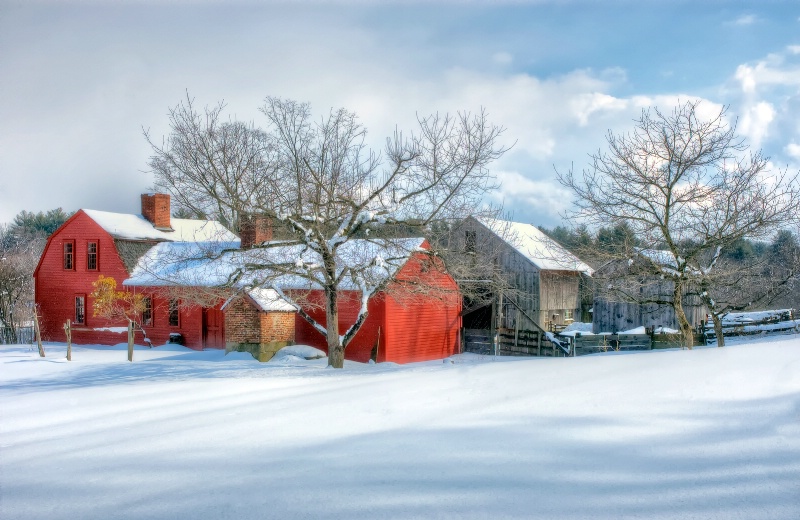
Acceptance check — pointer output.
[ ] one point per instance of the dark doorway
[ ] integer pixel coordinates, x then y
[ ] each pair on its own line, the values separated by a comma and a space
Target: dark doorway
213, 329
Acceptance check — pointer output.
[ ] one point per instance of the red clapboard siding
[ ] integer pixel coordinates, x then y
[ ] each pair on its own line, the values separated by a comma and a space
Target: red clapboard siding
413, 327
422, 326
360, 348
56, 289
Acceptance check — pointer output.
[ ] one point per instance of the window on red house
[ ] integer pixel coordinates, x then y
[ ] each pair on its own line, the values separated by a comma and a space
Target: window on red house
80, 309
174, 313
69, 255
91, 256
147, 313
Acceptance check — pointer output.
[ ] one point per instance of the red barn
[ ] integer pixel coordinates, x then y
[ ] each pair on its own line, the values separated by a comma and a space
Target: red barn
92, 243
153, 254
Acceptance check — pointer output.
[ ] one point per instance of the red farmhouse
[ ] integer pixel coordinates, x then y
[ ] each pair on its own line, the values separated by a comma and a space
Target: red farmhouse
145, 251
92, 243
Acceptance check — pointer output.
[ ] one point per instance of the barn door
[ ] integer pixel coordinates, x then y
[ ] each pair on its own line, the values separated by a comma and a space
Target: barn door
213, 330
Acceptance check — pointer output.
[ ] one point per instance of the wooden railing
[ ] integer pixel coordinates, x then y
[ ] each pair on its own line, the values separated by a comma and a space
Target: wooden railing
510, 342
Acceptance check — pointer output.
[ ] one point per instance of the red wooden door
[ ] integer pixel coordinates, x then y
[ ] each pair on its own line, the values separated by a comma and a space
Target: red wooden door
213, 330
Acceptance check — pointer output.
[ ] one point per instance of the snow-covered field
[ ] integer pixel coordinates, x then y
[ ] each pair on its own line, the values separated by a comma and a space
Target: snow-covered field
712, 433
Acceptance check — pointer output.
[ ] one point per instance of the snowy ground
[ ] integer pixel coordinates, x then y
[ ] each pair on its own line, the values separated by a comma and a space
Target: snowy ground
712, 433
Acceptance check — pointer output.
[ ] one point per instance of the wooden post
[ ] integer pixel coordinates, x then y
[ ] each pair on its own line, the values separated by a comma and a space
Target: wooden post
38, 331
493, 337
516, 331
130, 340
68, 333
499, 322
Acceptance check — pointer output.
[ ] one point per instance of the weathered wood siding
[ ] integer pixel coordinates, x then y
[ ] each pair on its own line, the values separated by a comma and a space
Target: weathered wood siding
541, 294
614, 316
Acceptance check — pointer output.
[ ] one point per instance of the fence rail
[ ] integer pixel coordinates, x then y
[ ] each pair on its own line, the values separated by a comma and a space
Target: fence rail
22, 335
510, 342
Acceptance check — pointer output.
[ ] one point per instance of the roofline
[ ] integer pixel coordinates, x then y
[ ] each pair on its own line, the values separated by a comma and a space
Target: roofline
53, 235
579, 271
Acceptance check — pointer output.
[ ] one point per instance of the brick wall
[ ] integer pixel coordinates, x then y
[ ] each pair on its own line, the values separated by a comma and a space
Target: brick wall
261, 333
254, 229
277, 326
242, 322
155, 208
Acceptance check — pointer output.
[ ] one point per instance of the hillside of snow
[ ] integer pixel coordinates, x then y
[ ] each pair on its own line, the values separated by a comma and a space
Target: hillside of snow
712, 433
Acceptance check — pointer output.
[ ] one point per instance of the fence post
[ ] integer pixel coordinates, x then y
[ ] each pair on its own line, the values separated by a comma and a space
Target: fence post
68, 333
38, 331
130, 340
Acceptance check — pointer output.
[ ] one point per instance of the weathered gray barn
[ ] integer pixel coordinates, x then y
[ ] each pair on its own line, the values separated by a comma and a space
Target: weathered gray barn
540, 281
629, 295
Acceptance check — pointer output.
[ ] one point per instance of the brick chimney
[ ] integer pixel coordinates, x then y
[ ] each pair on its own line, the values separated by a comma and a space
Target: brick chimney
155, 208
254, 230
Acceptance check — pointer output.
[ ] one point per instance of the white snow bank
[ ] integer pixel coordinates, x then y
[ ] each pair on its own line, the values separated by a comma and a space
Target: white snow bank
636, 330
301, 352
118, 330
665, 330
578, 326
585, 329
185, 434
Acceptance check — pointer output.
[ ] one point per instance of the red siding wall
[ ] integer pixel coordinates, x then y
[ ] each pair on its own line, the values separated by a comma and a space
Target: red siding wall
413, 326
425, 325
56, 289
360, 348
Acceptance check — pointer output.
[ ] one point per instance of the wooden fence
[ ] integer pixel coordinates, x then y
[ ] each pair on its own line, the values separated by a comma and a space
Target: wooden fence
779, 323
20, 335
510, 342
535, 343
620, 342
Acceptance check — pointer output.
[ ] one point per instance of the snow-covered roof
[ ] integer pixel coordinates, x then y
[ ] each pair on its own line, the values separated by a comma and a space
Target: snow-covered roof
135, 227
266, 300
532, 243
274, 266
660, 257
269, 300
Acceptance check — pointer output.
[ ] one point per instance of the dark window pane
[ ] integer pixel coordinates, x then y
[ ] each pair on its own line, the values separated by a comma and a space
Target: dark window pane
173, 313
91, 256
80, 309
147, 313
69, 253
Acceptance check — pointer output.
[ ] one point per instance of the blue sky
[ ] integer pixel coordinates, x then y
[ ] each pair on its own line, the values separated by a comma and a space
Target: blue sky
79, 80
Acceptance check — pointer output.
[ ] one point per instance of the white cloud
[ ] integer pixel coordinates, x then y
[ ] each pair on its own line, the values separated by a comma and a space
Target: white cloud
793, 150
744, 20
768, 102
755, 122
584, 105
543, 197
502, 58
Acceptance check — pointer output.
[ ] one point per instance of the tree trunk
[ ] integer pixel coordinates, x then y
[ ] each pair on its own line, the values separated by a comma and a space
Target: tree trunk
38, 331
335, 349
683, 323
130, 340
718, 330
68, 333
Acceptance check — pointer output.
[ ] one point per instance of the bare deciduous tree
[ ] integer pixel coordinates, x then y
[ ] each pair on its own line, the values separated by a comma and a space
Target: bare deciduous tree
685, 185
18, 259
323, 187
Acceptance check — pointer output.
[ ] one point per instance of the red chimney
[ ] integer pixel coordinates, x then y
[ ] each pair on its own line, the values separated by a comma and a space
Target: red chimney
254, 230
155, 208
